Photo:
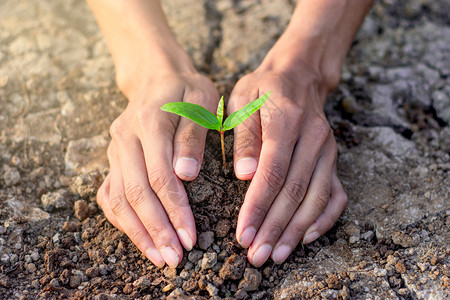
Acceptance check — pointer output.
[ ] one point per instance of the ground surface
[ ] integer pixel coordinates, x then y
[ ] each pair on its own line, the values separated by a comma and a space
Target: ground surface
391, 115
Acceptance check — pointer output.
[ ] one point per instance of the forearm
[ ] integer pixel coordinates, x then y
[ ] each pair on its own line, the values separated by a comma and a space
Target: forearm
319, 36
139, 38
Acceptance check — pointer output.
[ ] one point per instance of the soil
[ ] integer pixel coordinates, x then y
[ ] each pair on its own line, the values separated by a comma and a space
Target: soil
390, 114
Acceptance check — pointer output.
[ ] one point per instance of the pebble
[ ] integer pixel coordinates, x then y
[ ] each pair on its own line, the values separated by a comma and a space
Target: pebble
28, 258
74, 281
205, 239
195, 255
13, 258
380, 272
189, 266
209, 260
240, 294
103, 269
223, 227
233, 268
81, 209
4, 258
176, 293
11, 176
251, 281
31, 267
54, 200
368, 235
142, 282
212, 290
54, 283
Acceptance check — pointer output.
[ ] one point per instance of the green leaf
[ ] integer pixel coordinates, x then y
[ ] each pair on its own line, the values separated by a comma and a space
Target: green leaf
241, 115
220, 111
194, 112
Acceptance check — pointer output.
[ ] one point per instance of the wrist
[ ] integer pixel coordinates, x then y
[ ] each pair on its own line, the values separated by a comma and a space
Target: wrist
299, 55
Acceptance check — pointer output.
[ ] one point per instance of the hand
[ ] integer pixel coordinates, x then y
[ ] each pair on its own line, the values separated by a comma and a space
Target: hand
150, 152
289, 152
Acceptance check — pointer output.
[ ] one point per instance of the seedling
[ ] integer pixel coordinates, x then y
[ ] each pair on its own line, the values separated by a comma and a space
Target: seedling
205, 118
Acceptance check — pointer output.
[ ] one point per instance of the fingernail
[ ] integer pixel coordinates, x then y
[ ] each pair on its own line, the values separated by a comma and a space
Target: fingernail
186, 166
281, 253
261, 255
310, 237
247, 237
170, 256
154, 256
246, 165
185, 239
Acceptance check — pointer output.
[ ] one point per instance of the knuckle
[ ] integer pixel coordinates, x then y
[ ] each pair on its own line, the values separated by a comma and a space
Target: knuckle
294, 192
158, 180
321, 128
273, 177
135, 193
136, 236
321, 200
299, 229
117, 129
118, 204
259, 211
189, 137
276, 230
155, 229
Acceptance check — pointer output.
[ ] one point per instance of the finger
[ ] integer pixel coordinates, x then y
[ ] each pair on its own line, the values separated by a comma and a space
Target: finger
189, 141
337, 204
145, 203
269, 178
247, 136
167, 186
289, 199
103, 199
127, 217
313, 205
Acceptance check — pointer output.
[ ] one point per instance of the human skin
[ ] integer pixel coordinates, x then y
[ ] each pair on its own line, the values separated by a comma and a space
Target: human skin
287, 149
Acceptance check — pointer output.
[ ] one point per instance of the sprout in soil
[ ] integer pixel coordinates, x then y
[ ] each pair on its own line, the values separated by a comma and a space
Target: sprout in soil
205, 118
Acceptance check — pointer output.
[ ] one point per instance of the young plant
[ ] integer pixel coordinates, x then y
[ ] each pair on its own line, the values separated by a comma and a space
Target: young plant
205, 118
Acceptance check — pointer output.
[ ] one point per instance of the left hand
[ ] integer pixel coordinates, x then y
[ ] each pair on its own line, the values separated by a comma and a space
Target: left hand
289, 151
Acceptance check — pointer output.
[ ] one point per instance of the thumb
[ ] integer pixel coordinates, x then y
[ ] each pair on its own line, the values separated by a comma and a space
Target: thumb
247, 138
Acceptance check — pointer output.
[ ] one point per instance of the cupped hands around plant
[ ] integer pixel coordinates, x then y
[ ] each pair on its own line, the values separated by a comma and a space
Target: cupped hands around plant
205, 118
149, 153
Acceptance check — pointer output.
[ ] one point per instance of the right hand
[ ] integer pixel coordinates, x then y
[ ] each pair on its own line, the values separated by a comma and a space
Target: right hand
149, 153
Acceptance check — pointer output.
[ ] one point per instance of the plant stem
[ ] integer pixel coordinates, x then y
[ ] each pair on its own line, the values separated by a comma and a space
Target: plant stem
223, 150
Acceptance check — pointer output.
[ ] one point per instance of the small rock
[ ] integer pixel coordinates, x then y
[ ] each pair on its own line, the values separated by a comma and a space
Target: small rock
205, 239
223, 227
54, 200
11, 176
81, 209
240, 294
190, 285
368, 236
92, 272
142, 282
31, 267
56, 238
352, 232
233, 268
176, 293
86, 185
170, 272
167, 288
54, 283
212, 290
380, 272
251, 281
13, 258
103, 269
194, 256
209, 260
